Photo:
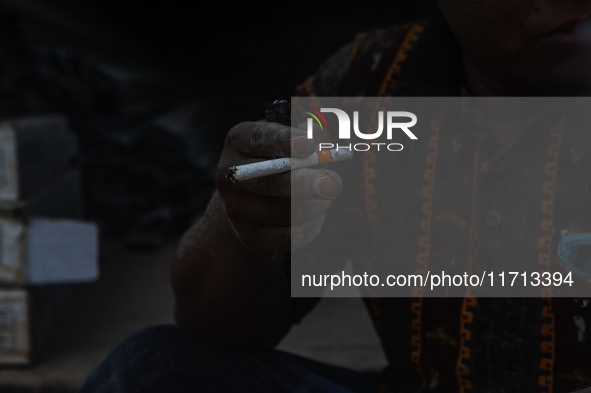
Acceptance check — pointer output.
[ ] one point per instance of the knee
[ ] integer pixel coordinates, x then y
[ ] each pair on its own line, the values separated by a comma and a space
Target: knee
146, 356
161, 343
163, 336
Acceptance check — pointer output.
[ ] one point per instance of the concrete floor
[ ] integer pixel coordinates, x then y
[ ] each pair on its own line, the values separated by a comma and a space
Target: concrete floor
134, 292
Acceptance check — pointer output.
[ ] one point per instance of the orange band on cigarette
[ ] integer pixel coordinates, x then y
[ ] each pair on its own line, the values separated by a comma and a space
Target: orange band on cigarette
324, 157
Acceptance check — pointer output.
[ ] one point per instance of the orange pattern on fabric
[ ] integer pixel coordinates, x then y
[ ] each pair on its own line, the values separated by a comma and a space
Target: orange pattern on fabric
388, 83
396, 67
465, 336
424, 242
546, 379
369, 174
466, 317
369, 170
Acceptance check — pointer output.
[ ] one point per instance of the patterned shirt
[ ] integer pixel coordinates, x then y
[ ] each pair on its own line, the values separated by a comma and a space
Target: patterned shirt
537, 190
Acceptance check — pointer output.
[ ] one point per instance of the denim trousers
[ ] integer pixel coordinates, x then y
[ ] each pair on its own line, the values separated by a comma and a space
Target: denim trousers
170, 358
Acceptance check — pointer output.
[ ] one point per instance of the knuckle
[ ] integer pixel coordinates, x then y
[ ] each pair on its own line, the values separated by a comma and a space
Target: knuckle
282, 140
234, 133
262, 135
257, 137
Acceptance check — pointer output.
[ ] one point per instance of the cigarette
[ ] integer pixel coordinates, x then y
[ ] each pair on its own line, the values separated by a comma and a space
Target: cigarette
280, 165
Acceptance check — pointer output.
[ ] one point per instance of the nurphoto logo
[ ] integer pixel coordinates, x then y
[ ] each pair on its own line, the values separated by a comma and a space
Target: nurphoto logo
392, 123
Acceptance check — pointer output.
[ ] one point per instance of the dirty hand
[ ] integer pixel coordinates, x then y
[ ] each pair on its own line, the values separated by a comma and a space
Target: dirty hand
260, 210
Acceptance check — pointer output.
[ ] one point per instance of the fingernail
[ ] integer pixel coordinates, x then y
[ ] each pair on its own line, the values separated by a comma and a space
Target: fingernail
324, 186
300, 144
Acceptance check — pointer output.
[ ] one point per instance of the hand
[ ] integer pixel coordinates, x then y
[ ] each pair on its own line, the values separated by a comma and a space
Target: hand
260, 210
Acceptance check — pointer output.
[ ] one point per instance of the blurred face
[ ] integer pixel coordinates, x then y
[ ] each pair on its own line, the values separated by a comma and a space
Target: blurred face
525, 47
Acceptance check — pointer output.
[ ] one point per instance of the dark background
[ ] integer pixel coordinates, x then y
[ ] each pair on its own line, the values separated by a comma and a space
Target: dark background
151, 88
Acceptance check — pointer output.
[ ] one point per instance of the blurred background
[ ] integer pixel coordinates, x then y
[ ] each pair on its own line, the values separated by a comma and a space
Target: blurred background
147, 92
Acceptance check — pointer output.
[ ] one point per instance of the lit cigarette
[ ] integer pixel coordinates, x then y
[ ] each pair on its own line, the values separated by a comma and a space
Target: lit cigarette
280, 165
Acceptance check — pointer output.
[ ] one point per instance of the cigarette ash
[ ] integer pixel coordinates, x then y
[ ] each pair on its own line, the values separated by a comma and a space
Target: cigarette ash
231, 174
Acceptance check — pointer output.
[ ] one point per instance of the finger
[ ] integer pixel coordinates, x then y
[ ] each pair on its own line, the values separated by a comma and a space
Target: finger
264, 239
274, 185
261, 210
301, 183
270, 140
307, 209
315, 184
304, 233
